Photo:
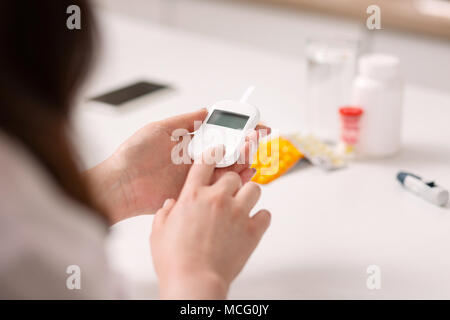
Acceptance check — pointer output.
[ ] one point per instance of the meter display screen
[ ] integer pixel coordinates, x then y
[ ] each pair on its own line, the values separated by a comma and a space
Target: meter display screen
228, 119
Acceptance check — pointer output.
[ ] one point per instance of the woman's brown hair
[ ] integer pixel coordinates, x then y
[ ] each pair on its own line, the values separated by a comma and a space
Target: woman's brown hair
43, 64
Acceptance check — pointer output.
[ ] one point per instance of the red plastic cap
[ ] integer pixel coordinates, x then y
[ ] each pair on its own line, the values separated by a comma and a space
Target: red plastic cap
351, 111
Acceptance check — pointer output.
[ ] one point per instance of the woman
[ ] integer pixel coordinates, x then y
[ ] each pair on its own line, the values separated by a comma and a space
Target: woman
52, 217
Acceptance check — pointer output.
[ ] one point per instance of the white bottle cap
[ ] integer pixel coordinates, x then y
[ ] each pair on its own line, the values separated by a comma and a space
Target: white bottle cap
379, 66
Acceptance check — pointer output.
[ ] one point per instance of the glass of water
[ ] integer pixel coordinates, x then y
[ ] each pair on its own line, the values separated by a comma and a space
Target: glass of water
331, 67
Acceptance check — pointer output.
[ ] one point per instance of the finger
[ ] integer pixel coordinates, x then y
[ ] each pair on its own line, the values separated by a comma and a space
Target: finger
202, 170
246, 155
260, 130
247, 196
164, 211
263, 130
249, 148
252, 136
259, 223
229, 183
241, 165
185, 121
247, 174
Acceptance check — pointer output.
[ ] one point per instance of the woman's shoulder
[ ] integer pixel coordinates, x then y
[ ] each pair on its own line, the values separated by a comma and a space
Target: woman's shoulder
43, 233
28, 190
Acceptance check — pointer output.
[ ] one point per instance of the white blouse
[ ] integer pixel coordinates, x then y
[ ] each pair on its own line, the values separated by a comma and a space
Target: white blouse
49, 245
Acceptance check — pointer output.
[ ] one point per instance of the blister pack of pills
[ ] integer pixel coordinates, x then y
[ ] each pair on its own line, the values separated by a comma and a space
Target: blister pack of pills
318, 152
273, 158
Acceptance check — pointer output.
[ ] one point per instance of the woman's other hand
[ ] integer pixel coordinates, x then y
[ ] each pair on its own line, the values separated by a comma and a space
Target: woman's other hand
140, 175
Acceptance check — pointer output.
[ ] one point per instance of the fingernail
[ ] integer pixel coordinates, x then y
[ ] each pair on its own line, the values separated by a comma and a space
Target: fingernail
166, 202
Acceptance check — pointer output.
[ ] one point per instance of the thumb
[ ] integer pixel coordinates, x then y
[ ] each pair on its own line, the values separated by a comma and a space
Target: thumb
185, 121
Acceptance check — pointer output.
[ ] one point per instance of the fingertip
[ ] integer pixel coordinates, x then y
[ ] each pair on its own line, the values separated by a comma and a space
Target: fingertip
248, 150
252, 135
263, 131
268, 216
218, 153
262, 220
247, 174
165, 209
168, 202
203, 110
185, 121
220, 148
202, 170
257, 187
211, 156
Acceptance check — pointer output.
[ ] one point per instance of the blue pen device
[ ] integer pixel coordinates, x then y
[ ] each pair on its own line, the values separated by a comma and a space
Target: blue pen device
426, 190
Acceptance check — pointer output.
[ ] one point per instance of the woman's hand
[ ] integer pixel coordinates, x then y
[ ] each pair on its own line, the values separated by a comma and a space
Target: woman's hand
201, 242
140, 175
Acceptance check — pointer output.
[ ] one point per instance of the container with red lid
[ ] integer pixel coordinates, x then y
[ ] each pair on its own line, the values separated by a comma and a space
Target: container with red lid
350, 119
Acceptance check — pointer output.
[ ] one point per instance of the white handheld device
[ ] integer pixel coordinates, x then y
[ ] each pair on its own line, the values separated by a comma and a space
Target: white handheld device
227, 123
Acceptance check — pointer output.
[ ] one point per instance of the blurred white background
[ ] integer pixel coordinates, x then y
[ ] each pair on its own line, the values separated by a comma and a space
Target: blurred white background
284, 30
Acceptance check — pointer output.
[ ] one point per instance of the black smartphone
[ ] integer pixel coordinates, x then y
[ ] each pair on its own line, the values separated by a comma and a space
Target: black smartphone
128, 93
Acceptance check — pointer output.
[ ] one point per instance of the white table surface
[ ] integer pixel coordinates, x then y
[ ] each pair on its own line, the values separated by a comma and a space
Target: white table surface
327, 228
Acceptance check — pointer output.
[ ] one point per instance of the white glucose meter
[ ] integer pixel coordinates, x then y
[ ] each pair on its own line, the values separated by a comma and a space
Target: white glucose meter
227, 123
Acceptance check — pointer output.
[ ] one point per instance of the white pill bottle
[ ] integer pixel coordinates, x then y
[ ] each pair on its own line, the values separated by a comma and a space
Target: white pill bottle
378, 89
